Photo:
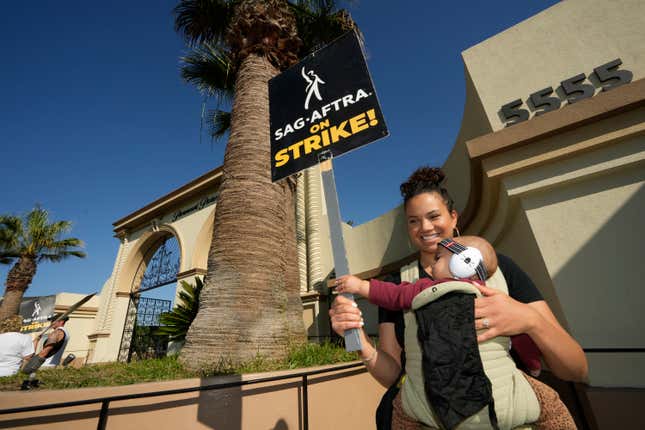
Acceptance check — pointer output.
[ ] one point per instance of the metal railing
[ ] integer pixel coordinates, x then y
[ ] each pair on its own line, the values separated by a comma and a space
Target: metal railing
105, 401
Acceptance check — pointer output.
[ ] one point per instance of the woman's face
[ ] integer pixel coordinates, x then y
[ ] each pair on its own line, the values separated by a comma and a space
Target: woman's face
429, 221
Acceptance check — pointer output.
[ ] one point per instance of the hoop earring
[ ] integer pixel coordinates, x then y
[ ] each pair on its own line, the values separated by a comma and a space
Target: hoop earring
455, 232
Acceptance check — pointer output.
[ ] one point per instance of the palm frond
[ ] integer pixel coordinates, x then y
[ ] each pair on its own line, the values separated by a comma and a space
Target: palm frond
8, 257
210, 69
59, 227
55, 257
176, 323
10, 231
36, 237
220, 123
203, 20
64, 244
319, 22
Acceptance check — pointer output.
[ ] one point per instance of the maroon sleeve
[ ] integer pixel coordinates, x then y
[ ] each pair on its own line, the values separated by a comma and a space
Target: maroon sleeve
396, 297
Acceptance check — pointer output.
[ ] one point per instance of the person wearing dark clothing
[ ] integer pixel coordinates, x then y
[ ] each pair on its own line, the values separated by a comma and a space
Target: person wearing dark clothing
431, 216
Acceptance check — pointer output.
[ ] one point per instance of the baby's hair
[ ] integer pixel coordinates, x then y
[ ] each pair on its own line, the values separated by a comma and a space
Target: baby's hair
426, 180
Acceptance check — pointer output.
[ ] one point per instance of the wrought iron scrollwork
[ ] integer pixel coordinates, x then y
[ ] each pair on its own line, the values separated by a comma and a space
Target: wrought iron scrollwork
149, 310
162, 269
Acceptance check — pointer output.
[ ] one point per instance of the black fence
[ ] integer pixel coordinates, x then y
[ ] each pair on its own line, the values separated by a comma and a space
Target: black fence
105, 401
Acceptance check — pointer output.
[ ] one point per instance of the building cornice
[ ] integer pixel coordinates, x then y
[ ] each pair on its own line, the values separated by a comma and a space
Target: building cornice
167, 203
197, 271
602, 105
95, 336
82, 309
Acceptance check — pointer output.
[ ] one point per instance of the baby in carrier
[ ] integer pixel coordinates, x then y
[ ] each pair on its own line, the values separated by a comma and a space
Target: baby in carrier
452, 381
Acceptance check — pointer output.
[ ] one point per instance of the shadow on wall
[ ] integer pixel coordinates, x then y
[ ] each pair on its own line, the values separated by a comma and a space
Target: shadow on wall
599, 287
280, 425
280, 406
251, 407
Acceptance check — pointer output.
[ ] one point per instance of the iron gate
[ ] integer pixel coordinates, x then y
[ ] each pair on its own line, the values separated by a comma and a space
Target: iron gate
142, 317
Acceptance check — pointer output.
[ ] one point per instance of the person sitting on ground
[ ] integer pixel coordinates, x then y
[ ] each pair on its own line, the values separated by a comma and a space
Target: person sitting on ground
15, 347
468, 259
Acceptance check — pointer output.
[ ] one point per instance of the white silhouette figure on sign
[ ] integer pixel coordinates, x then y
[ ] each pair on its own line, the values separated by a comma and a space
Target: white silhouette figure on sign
36, 311
312, 85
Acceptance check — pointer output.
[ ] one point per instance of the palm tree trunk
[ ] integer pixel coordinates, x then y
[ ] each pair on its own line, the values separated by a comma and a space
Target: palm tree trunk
250, 303
18, 279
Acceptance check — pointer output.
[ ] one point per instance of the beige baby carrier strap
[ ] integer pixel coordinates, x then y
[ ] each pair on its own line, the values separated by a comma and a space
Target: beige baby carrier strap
514, 399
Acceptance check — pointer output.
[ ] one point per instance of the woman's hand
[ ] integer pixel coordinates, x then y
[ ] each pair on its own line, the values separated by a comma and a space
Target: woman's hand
500, 315
345, 315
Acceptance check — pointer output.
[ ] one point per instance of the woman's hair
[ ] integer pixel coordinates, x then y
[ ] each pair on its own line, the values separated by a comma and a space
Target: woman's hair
426, 180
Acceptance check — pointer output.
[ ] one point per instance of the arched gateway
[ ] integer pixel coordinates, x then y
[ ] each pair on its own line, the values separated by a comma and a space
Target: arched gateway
162, 244
157, 273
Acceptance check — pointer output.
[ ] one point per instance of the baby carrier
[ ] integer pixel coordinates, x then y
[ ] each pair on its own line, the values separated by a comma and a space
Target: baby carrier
453, 382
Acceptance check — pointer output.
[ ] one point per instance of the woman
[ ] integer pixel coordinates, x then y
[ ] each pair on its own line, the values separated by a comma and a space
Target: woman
431, 216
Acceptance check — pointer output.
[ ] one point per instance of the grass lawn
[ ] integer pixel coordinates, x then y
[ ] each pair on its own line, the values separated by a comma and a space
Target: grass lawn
170, 368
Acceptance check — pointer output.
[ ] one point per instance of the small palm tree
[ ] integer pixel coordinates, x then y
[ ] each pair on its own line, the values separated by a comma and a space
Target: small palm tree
175, 323
26, 242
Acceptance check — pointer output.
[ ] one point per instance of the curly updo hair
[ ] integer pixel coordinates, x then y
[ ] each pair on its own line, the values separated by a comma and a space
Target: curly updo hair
426, 180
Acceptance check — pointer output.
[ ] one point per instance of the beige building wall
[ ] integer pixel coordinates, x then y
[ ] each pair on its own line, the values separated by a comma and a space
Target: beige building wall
278, 405
560, 193
569, 38
572, 223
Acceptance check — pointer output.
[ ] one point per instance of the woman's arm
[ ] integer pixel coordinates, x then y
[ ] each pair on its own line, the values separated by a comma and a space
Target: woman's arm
507, 317
381, 362
561, 352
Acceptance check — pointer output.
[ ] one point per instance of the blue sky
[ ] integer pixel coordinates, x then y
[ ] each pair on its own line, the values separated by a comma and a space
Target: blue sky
95, 121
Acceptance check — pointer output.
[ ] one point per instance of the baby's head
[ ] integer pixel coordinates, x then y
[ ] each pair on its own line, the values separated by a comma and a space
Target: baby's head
441, 265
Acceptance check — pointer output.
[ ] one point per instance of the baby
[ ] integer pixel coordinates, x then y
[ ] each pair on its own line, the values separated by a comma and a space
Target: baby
445, 322
478, 254
399, 297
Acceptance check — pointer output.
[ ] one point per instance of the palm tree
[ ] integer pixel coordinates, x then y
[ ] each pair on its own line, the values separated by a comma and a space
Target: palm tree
27, 242
250, 303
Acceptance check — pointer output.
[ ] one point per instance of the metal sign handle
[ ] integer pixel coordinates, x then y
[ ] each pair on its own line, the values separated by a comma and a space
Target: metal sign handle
352, 338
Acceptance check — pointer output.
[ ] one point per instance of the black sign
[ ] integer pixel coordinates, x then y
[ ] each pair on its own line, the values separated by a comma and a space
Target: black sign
35, 311
324, 103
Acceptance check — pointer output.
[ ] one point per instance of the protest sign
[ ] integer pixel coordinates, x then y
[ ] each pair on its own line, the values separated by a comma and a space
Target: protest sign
35, 311
324, 103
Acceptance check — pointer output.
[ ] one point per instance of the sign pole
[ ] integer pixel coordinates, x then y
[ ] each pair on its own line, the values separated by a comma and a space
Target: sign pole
352, 338
340, 108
